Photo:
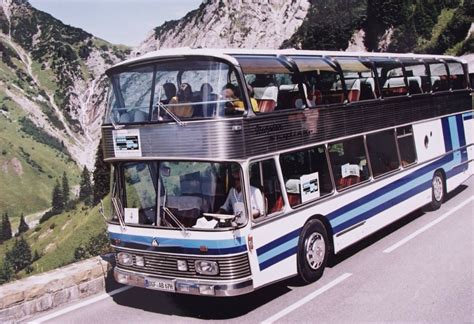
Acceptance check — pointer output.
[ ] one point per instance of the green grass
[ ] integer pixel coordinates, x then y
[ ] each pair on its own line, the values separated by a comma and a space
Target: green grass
444, 18
58, 237
27, 189
45, 77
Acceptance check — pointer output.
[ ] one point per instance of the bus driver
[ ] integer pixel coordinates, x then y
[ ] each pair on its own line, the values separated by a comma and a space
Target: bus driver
235, 201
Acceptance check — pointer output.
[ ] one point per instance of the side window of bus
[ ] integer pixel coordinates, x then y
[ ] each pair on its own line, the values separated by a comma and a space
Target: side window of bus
456, 73
306, 175
383, 153
349, 162
417, 75
439, 77
406, 145
359, 79
140, 190
263, 74
391, 78
263, 175
320, 81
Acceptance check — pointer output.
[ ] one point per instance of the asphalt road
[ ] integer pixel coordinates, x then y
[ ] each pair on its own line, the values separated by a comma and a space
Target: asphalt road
418, 269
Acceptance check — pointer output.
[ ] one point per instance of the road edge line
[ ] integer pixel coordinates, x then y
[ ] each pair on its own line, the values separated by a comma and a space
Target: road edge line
426, 227
306, 299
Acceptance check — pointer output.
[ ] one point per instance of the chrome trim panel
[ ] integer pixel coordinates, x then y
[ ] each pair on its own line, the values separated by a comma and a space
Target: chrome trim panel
235, 288
286, 129
159, 264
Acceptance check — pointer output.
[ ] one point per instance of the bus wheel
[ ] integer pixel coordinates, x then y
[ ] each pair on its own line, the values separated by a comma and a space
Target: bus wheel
438, 191
312, 251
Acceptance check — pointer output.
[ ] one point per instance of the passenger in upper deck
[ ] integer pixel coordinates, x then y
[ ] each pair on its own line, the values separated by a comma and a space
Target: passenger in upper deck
235, 104
177, 104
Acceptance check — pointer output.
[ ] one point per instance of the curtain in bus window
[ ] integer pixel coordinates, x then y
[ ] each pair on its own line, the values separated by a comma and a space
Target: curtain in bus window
306, 175
349, 162
456, 73
383, 155
439, 77
318, 80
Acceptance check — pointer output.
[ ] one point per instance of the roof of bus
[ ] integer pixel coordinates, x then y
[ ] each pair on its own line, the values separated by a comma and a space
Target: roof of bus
225, 53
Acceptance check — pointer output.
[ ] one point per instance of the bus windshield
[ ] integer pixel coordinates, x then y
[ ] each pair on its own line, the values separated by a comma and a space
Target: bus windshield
190, 194
174, 90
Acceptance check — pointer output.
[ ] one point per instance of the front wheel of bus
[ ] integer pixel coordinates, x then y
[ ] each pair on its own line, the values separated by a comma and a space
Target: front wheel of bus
312, 251
438, 191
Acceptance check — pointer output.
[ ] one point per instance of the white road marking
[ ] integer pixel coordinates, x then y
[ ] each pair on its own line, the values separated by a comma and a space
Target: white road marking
306, 299
80, 305
427, 226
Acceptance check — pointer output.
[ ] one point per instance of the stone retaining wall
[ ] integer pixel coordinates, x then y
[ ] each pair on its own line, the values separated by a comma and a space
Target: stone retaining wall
24, 298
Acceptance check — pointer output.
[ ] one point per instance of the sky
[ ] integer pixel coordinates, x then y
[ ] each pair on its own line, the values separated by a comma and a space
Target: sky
125, 22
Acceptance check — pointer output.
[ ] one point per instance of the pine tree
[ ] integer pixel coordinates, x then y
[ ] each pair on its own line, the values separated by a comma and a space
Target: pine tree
6, 228
65, 190
57, 201
101, 176
6, 271
23, 227
85, 191
20, 255
1, 229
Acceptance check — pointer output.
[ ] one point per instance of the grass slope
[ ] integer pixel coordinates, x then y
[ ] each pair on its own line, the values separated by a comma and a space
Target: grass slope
28, 169
58, 237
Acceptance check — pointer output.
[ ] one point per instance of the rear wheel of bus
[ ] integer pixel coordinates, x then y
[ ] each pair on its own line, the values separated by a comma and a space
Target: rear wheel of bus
438, 190
313, 250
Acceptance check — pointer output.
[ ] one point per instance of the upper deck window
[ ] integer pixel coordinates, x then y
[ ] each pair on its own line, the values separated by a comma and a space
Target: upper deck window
174, 90
439, 77
358, 77
417, 76
457, 76
319, 80
391, 77
270, 82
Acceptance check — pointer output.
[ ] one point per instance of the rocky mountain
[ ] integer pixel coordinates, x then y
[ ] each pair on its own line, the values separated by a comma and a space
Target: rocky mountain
56, 75
424, 26
52, 98
231, 23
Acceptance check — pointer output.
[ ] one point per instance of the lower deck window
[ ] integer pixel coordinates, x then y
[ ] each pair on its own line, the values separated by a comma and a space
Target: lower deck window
349, 162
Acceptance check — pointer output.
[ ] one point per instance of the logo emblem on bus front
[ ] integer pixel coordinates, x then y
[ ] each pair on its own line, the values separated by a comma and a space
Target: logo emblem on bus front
154, 242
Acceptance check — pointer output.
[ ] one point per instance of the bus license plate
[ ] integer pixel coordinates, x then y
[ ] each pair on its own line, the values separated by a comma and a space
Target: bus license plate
159, 284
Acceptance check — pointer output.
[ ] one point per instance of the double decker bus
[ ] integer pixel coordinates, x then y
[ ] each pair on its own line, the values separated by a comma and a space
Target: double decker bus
233, 169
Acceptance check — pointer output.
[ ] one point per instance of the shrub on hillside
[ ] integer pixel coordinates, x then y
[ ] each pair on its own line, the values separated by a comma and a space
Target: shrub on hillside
96, 245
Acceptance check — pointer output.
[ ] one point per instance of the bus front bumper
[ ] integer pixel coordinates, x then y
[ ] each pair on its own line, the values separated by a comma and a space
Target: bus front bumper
184, 286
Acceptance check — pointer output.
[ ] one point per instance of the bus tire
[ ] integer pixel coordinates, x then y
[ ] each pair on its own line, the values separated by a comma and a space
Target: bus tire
438, 190
313, 250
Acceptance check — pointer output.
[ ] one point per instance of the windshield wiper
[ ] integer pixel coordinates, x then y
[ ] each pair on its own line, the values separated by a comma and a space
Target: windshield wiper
174, 218
161, 106
118, 210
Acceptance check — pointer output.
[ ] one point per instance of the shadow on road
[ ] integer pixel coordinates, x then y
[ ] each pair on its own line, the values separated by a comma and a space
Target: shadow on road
375, 237
210, 308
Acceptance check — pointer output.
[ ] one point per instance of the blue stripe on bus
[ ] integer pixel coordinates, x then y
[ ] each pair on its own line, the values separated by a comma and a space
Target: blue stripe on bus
278, 258
278, 250
447, 135
462, 134
453, 128
184, 245
275, 243
467, 116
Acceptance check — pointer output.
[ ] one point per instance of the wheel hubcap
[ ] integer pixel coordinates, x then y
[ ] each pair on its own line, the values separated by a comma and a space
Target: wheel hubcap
315, 250
438, 188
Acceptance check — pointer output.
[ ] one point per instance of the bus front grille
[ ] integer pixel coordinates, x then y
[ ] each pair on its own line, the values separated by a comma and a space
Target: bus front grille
159, 264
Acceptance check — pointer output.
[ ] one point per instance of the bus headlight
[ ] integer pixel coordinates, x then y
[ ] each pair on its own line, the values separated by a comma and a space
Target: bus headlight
124, 258
206, 267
